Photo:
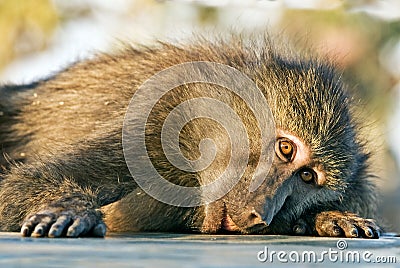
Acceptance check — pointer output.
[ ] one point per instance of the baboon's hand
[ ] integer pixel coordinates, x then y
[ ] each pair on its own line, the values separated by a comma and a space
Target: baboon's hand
336, 223
57, 222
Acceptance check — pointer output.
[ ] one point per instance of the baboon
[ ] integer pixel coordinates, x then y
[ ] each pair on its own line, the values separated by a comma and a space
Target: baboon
64, 172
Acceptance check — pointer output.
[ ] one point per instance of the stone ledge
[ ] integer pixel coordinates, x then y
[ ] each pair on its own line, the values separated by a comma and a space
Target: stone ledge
180, 250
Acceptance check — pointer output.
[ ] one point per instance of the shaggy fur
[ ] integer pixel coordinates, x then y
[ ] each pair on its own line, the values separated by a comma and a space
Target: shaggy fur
66, 174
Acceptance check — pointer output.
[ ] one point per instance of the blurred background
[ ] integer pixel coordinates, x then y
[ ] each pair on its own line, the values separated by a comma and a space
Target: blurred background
40, 37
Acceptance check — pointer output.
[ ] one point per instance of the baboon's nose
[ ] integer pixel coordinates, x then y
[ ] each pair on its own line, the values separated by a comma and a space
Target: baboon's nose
255, 222
249, 222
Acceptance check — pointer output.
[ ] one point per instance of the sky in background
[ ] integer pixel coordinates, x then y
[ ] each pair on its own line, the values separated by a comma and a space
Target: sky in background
110, 21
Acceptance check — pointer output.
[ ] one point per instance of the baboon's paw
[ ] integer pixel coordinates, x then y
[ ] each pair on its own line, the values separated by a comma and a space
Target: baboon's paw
336, 223
64, 223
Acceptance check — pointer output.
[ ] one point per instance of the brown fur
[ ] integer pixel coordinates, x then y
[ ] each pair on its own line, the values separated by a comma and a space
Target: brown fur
67, 132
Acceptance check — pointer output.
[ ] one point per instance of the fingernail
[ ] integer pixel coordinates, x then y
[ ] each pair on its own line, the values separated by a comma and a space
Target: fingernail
336, 230
37, 233
354, 232
25, 231
369, 233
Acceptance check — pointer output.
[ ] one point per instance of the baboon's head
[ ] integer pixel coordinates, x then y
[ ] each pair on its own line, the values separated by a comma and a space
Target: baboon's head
316, 151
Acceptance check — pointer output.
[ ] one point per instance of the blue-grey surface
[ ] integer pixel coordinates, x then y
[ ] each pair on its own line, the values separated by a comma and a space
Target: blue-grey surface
180, 250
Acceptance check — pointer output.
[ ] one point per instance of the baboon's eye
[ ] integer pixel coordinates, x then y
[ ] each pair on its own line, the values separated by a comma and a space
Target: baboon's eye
285, 149
307, 175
